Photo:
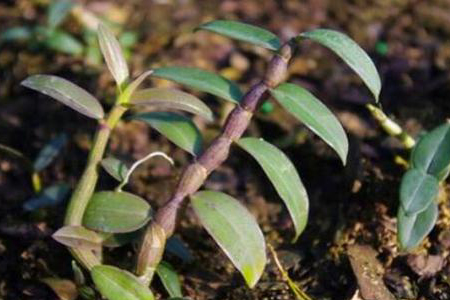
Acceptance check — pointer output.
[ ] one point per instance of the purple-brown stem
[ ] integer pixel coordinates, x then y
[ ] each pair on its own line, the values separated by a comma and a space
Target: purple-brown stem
193, 177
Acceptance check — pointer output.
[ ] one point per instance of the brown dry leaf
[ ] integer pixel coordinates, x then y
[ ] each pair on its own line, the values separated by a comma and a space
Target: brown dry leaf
425, 265
63, 288
369, 273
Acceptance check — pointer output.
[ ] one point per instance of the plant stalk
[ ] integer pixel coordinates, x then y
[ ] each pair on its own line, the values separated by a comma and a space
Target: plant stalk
299, 294
163, 224
390, 127
86, 186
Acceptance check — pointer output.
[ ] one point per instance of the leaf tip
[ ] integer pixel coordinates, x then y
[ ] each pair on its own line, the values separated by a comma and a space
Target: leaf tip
28, 82
251, 277
344, 158
25, 82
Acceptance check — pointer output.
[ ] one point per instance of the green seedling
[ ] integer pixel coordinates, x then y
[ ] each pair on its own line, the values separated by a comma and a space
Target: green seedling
95, 218
45, 196
429, 166
52, 36
48, 35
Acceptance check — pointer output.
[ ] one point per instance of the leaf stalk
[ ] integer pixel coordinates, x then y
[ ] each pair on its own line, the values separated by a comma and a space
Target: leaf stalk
391, 127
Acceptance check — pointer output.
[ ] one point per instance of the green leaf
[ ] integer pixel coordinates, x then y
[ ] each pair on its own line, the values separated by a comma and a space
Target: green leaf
116, 212
413, 229
432, 152
128, 39
352, 54
308, 109
417, 191
49, 152
16, 34
63, 42
177, 128
235, 230
202, 80
67, 93
283, 176
78, 274
131, 88
77, 237
444, 174
114, 167
51, 196
116, 284
57, 11
163, 99
113, 55
244, 32
169, 278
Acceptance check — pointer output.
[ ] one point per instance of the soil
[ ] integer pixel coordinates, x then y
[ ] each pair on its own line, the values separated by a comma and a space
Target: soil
349, 205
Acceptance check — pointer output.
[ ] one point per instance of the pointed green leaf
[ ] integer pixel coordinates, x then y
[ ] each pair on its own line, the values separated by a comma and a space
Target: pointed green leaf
352, 54
177, 128
16, 34
116, 284
78, 274
169, 278
244, 32
63, 42
57, 11
308, 109
114, 167
432, 153
77, 237
50, 196
163, 99
49, 152
67, 93
413, 229
235, 230
444, 174
113, 55
116, 212
132, 87
202, 80
417, 191
283, 176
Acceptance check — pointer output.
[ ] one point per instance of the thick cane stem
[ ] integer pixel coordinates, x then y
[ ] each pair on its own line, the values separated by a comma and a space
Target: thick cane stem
193, 177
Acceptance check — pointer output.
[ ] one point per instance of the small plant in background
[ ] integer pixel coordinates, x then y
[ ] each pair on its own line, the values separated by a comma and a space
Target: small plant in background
46, 196
50, 35
99, 219
53, 37
429, 166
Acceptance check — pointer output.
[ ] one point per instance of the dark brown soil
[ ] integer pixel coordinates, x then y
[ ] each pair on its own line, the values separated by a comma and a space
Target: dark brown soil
355, 204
